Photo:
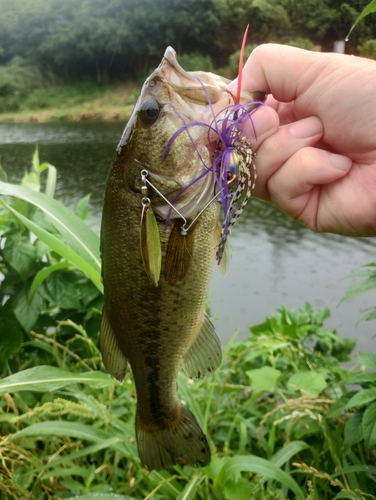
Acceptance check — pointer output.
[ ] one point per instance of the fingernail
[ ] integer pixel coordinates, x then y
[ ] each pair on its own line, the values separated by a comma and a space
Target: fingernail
339, 161
306, 128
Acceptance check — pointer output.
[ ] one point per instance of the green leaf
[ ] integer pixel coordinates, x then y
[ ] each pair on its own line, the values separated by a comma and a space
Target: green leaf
44, 273
264, 378
62, 428
92, 271
366, 469
238, 489
20, 254
78, 431
369, 315
270, 347
81, 209
107, 444
359, 288
362, 397
27, 311
101, 496
71, 485
35, 160
3, 174
51, 179
349, 496
369, 426
67, 471
368, 359
49, 378
340, 405
213, 468
260, 466
31, 180
11, 335
354, 430
63, 290
312, 382
288, 451
76, 233
189, 492
190, 399
371, 7
360, 378
88, 292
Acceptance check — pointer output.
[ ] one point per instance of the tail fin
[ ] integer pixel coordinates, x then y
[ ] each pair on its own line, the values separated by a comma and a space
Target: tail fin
175, 440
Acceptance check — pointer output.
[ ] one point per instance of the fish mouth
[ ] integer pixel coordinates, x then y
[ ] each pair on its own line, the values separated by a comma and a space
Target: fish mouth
189, 85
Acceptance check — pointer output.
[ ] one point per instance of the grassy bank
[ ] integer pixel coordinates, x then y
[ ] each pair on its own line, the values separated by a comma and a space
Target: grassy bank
80, 102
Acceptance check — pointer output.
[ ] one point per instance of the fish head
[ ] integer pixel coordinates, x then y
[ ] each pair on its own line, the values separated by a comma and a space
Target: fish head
171, 134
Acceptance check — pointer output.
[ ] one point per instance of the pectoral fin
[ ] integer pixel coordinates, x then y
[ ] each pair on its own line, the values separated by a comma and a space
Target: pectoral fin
205, 354
178, 255
113, 359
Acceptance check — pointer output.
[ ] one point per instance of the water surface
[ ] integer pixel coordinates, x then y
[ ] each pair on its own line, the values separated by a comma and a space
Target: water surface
275, 261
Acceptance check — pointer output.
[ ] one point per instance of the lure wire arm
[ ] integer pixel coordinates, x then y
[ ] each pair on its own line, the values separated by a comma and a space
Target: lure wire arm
184, 229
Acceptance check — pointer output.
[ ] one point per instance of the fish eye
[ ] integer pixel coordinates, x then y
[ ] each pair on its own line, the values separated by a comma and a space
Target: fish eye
149, 111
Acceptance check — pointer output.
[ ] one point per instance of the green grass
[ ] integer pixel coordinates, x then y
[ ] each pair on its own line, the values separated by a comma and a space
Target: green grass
68, 428
86, 100
282, 416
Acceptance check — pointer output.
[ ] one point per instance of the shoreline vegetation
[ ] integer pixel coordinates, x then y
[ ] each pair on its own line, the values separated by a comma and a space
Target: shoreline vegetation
69, 104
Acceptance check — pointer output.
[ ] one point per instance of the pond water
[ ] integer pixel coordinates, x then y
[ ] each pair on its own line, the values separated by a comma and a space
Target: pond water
275, 261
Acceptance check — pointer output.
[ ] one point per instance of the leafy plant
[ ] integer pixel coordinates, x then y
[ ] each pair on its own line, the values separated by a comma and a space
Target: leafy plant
50, 261
196, 61
271, 434
301, 43
366, 284
280, 419
233, 62
368, 49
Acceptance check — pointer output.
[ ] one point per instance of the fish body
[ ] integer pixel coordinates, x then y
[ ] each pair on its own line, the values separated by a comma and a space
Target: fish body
159, 327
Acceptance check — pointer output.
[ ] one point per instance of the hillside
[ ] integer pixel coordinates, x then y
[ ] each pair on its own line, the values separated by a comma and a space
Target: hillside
67, 104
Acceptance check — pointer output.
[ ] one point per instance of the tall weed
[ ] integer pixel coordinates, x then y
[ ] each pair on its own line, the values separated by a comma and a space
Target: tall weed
281, 419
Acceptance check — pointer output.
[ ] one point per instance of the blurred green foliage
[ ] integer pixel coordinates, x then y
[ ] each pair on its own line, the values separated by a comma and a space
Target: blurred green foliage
109, 39
368, 49
301, 43
196, 61
49, 44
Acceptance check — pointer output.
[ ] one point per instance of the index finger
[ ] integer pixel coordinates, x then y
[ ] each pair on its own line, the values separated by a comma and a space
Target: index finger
280, 70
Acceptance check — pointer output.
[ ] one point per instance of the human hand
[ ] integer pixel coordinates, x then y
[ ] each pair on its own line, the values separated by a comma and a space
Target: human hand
316, 150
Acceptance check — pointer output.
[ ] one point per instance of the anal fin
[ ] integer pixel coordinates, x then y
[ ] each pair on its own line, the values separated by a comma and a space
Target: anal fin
113, 359
205, 354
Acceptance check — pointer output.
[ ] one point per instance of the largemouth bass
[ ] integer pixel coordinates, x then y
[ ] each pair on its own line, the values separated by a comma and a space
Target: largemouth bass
154, 298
